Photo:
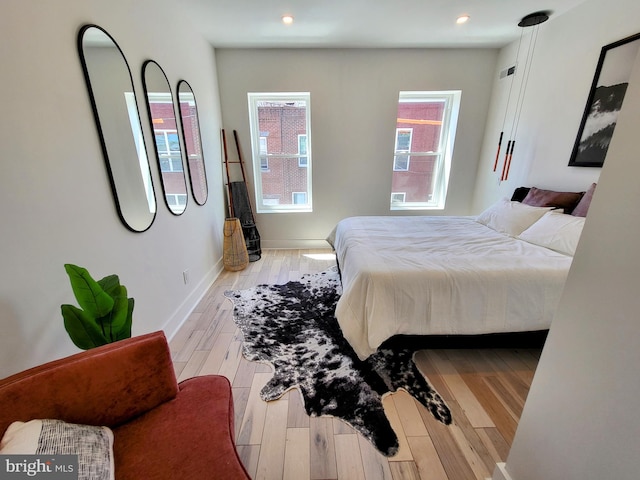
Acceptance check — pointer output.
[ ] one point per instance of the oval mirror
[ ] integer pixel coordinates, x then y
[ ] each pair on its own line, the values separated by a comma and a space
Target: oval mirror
116, 114
192, 142
165, 132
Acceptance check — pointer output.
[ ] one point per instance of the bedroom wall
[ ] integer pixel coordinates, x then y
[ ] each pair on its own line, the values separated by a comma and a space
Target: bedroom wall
581, 418
564, 63
354, 95
57, 205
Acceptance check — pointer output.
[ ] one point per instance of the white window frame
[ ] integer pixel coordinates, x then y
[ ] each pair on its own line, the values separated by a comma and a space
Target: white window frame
402, 153
258, 158
174, 157
138, 139
442, 169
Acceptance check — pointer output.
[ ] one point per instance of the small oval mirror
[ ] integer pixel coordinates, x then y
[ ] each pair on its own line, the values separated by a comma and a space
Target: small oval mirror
116, 114
192, 142
165, 132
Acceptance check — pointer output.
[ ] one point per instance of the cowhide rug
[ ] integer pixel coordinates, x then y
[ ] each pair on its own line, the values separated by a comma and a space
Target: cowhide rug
293, 328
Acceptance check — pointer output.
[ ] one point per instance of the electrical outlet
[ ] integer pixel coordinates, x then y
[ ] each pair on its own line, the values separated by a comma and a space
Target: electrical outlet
185, 276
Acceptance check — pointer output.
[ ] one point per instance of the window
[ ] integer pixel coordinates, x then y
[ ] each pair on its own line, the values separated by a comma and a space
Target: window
403, 145
302, 150
425, 132
177, 201
281, 148
398, 197
264, 161
299, 198
169, 152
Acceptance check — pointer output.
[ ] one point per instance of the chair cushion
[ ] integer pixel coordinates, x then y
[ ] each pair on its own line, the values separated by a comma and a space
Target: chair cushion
189, 437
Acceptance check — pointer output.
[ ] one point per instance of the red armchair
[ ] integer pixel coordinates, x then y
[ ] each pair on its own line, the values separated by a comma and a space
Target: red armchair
162, 429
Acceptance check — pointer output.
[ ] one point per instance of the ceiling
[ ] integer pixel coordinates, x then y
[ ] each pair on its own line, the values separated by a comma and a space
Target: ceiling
364, 23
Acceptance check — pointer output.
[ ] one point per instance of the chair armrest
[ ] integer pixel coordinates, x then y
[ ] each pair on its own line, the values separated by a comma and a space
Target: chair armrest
107, 385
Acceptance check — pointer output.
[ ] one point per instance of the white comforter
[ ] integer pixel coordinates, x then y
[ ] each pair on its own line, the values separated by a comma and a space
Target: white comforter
440, 275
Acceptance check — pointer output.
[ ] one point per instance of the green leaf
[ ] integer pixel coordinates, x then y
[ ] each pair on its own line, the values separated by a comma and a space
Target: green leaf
115, 321
89, 294
84, 332
125, 332
110, 284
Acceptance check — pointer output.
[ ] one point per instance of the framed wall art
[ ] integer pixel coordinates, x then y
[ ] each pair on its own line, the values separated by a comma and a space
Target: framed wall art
604, 102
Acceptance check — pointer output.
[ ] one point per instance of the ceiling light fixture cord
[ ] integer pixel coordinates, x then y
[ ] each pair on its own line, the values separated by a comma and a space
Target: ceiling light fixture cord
525, 81
506, 109
511, 144
521, 97
534, 19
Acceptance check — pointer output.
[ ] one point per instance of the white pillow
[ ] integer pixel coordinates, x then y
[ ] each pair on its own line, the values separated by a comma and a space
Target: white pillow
511, 218
93, 445
556, 231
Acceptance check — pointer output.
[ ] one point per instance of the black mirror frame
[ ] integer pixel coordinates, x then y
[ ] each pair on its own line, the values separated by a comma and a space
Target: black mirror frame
96, 116
186, 149
155, 147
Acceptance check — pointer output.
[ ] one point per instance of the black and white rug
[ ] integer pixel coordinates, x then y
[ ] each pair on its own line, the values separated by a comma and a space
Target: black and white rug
292, 327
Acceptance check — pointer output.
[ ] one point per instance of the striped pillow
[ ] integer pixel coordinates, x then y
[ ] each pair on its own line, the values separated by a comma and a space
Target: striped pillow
93, 445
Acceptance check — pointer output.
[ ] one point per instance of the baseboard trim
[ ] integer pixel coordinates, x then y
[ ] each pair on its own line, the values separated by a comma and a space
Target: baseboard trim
173, 324
295, 243
500, 472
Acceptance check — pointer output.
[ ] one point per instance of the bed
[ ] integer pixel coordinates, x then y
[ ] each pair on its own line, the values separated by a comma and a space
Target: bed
501, 271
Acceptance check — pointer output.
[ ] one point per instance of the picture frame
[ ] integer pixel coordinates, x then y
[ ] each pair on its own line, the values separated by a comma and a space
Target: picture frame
604, 102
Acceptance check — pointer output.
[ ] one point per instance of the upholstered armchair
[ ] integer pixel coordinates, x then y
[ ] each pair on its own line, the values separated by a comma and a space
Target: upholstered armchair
161, 429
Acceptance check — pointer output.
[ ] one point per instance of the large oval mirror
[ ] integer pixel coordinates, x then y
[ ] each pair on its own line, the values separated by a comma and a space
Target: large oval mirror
192, 142
116, 114
165, 132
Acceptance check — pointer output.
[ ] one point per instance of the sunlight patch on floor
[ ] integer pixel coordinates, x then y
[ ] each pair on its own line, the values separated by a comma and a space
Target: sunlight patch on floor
320, 256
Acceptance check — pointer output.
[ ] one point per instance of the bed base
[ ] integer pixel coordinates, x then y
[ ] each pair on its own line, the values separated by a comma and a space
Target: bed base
533, 339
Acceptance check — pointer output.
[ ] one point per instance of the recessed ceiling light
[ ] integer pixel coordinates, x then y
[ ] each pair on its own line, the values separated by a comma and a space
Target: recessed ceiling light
462, 19
287, 19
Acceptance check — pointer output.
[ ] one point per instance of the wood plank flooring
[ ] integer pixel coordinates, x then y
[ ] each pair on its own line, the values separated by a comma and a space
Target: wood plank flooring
484, 388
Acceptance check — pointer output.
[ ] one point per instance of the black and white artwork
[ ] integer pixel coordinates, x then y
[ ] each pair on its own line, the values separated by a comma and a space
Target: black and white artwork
604, 103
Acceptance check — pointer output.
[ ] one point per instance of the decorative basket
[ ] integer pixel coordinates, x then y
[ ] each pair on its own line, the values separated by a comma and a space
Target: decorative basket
235, 255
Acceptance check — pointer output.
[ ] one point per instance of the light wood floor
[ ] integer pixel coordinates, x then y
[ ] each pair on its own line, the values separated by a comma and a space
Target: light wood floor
484, 388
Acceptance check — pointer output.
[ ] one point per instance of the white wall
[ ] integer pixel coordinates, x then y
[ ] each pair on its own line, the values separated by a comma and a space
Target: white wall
564, 62
581, 417
56, 201
354, 97
580, 420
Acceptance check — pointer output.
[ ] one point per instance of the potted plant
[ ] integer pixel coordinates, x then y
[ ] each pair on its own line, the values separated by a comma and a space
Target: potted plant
105, 313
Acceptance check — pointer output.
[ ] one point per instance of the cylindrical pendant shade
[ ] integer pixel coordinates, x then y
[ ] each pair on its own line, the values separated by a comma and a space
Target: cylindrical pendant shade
235, 249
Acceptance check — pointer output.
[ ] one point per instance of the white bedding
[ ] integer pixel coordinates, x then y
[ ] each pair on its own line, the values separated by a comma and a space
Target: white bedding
428, 275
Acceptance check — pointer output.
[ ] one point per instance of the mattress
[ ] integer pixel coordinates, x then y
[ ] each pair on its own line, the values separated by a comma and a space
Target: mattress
439, 275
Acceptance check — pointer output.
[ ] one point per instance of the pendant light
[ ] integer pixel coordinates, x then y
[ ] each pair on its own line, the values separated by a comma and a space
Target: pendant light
531, 20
